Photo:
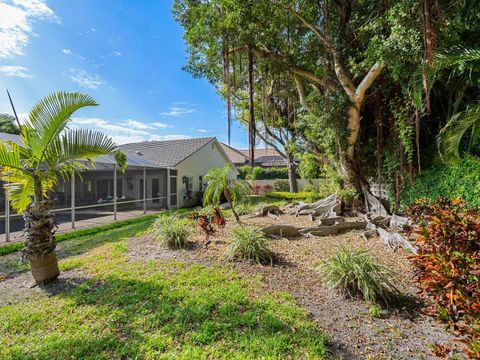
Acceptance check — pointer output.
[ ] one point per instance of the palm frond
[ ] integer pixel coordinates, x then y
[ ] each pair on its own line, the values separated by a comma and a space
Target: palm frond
457, 56
49, 117
79, 144
450, 137
10, 155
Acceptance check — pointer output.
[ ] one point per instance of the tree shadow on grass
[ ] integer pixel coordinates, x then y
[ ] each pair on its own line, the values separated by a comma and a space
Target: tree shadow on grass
205, 317
11, 264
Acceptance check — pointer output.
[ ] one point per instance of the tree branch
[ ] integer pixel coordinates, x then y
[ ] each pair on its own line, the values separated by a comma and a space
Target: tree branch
368, 80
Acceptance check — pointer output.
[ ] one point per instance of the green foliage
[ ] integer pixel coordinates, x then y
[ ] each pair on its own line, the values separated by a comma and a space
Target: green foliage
459, 179
8, 124
128, 309
172, 231
310, 167
248, 243
310, 188
285, 195
218, 185
260, 173
448, 263
353, 272
375, 311
281, 185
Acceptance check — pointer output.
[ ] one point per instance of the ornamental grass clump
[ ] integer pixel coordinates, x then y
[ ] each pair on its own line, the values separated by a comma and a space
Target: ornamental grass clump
353, 272
171, 231
248, 243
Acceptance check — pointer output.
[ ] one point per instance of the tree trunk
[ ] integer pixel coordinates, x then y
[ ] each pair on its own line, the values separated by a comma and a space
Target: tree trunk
354, 128
292, 177
39, 241
228, 196
355, 177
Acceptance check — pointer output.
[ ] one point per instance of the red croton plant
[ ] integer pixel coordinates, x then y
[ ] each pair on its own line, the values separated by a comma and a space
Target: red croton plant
448, 265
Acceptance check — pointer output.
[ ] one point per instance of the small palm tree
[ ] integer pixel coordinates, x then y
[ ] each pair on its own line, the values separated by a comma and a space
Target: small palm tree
50, 150
450, 138
218, 184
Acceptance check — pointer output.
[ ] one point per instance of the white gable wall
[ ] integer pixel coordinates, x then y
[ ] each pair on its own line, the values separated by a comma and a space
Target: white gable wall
198, 164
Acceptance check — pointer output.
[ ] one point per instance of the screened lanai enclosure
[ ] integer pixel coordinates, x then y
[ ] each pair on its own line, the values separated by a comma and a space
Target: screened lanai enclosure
101, 194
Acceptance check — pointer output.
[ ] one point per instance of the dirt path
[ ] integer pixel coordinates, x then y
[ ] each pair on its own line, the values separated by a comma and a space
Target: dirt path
402, 332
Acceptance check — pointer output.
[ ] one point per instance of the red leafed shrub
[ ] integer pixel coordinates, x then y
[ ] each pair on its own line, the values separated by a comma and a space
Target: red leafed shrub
256, 188
206, 221
267, 188
448, 263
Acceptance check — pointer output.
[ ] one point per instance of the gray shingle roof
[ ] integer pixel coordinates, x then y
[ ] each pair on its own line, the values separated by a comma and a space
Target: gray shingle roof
105, 159
165, 153
235, 156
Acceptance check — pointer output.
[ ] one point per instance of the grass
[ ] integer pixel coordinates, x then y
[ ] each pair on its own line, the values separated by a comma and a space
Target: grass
171, 231
247, 243
353, 272
87, 239
156, 310
11, 248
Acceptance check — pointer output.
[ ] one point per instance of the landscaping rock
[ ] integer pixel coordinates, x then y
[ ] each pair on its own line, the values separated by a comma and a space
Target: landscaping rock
323, 230
331, 206
287, 231
269, 209
395, 240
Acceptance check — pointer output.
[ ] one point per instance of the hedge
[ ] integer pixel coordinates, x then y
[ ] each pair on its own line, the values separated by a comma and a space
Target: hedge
285, 195
263, 173
461, 179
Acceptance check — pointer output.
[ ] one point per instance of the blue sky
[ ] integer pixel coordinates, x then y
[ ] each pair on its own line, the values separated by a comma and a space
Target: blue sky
127, 54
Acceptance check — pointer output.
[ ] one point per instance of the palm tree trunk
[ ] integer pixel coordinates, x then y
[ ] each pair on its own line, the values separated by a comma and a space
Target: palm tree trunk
228, 196
39, 241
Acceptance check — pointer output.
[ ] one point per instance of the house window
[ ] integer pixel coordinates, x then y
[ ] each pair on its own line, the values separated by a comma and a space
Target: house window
200, 183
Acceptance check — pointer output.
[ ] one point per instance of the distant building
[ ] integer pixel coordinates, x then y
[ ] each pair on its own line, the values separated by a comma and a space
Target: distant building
264, 157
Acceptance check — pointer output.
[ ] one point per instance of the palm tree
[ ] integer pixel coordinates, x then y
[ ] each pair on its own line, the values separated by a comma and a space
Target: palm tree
218, 184
450, 138
49, 150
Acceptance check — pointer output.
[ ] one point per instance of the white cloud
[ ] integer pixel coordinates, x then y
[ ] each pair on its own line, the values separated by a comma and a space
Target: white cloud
170, 137
176, 111
15, 71
84, 79
16, 19
161, 125
136, 124
67, 51
117, 53
125, 131
202, 130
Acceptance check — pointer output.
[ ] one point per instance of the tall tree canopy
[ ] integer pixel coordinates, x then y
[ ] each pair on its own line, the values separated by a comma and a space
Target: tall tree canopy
364, 91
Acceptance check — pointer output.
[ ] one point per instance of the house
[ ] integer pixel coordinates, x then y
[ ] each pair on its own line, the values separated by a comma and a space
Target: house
264, 157
185, 162
159, 174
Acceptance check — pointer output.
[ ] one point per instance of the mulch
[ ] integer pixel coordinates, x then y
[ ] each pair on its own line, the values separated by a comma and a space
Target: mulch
402, 331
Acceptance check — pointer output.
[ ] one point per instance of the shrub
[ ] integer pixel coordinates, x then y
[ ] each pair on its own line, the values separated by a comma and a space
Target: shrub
249, 243
171, 231
288, 195
353, 272
452, 181
310, 188
267, 188
256, 188
259, 173
448, 263
281, 185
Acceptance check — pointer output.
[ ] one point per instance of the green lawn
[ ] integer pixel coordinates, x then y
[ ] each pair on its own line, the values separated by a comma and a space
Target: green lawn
154, 310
